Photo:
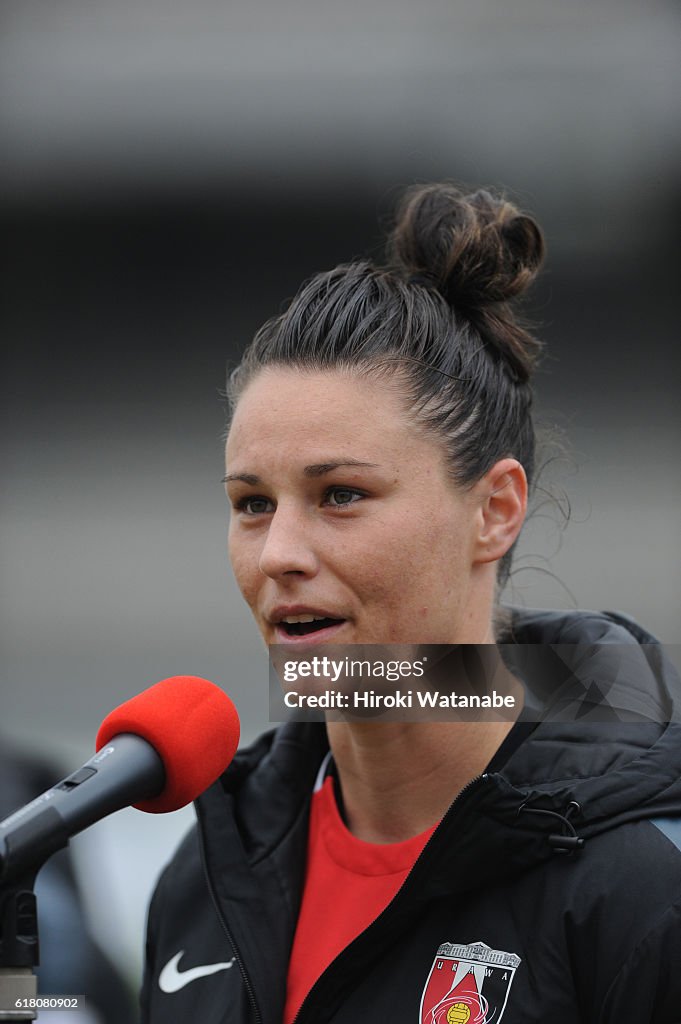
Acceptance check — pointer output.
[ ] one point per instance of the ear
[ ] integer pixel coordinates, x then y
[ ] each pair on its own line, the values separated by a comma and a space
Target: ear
502, 497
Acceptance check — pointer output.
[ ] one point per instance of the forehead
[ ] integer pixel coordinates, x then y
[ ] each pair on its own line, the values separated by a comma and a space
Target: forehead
284, 411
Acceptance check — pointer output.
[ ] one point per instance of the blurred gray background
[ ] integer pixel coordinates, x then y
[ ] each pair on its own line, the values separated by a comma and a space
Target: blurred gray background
169, 173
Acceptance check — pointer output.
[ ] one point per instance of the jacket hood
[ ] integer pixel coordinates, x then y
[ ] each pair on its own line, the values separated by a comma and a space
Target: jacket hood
608, 701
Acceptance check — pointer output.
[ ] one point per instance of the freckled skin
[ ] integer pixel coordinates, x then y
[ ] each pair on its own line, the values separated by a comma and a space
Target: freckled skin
399, 562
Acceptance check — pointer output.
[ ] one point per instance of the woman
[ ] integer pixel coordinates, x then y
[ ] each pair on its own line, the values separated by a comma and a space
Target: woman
378, 464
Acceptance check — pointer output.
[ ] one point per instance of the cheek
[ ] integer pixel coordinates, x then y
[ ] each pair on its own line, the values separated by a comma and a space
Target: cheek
390, 573
244, 561
415, 567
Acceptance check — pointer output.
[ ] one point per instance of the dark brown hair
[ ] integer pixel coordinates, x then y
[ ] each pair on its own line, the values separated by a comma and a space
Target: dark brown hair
438, 316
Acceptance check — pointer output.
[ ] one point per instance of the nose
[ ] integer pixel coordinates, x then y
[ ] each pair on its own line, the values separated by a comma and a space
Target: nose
288, 547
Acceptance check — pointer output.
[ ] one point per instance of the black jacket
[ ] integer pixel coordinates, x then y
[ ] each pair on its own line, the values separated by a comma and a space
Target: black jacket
495, 919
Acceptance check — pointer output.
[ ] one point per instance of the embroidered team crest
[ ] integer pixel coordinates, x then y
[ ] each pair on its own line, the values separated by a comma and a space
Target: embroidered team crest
468, 985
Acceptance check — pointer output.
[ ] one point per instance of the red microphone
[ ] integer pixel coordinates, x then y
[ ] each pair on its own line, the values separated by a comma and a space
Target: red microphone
193, 726
158, 752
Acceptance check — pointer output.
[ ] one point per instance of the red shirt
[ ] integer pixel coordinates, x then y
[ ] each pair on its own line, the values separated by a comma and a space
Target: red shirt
348, 883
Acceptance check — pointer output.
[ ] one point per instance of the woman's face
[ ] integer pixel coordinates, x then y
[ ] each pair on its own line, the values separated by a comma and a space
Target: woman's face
345, 527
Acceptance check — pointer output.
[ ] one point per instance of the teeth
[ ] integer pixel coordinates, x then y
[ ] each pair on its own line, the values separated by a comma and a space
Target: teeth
303, 618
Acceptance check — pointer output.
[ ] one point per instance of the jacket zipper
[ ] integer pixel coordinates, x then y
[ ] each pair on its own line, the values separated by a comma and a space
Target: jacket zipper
225, 927
451, 810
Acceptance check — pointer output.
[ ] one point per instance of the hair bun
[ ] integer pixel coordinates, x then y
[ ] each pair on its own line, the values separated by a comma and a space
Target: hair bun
475, 249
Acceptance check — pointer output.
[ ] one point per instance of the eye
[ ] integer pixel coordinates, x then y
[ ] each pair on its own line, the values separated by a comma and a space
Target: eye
254, 505
337, 497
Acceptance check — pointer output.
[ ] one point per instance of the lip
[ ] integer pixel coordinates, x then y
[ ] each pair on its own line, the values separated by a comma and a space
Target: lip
320, 636
281, 611
329, 633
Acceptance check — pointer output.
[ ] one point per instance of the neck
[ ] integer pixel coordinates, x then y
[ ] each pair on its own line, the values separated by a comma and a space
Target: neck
399, 778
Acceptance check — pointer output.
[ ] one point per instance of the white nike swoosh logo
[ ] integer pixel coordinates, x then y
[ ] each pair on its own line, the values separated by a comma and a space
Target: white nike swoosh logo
172, 980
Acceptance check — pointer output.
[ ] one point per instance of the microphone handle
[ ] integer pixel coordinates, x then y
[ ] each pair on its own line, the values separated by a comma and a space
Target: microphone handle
125, 771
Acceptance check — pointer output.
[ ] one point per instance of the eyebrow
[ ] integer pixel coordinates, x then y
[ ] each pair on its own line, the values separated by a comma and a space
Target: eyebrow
315, 470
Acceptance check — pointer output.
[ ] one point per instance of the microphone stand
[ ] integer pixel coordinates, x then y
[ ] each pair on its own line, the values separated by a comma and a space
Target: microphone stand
124, 771
19, 948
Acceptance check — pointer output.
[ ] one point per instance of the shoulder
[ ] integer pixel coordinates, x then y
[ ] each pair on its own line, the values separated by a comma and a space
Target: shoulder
622, 919
541, 625
244, 813
646, 982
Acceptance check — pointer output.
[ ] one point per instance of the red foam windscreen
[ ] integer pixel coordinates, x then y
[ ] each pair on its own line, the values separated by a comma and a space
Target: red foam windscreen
193, 726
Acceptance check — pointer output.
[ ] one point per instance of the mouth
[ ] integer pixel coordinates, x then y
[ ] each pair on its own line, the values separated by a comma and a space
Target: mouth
307, 627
